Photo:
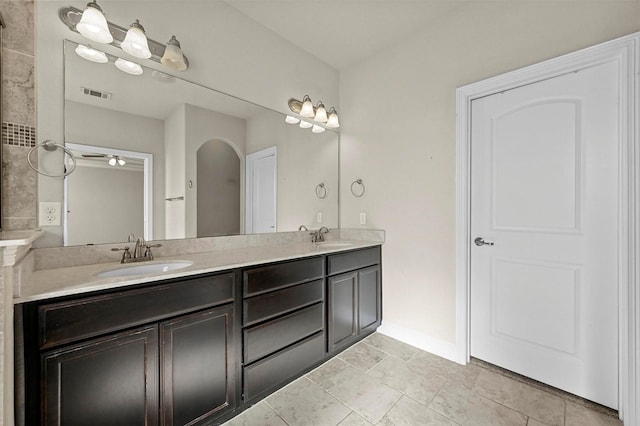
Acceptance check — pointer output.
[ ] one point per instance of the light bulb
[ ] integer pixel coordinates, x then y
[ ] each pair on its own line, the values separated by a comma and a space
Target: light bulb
321, 113
307, 107
93, 25
333, 121
112, 161
305, 124
90, 54
317, 129
173, 57
128, 66
135, 42
291, 120
121, 161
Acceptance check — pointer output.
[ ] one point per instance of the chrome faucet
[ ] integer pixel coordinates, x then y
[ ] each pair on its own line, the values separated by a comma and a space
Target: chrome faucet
141, 252
302, 228
318, 236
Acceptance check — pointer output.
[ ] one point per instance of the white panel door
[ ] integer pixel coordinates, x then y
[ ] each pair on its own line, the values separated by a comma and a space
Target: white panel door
262, 191
544, 182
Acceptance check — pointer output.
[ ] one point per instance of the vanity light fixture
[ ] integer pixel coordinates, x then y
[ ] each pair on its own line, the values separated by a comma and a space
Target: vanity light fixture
116, 160
128, 66
317, 129
290, 119
306, 110
135, 42
132, 40
318, 113
91, 54
321, 113
173, 57
93, 25
305, 124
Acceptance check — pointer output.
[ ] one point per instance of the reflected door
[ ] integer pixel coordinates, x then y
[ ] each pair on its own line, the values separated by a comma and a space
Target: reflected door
544, 299
262, 191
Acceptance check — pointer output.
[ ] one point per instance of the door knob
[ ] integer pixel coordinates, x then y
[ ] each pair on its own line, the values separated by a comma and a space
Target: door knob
481, 242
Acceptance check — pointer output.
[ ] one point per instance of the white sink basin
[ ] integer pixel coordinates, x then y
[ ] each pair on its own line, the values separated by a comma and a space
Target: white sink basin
335, 244
146, 268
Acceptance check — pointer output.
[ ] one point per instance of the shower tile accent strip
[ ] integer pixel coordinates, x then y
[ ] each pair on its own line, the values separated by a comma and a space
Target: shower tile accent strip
18, 134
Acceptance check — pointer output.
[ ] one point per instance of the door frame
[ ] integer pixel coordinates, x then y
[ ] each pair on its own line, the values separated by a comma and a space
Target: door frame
250, 158
626, 52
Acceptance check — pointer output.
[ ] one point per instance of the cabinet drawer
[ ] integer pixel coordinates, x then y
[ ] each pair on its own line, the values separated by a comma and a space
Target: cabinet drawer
271, 304
274, 370
273, 277
343, 262
91, 316
274, 335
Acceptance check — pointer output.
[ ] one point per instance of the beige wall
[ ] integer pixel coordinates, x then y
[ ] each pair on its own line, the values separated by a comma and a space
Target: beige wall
407, 156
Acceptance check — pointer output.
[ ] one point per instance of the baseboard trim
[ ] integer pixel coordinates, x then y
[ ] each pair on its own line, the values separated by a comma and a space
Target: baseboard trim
422, 341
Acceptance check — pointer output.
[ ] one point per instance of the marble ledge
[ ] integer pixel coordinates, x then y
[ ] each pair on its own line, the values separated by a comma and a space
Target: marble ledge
19, 238
51, 283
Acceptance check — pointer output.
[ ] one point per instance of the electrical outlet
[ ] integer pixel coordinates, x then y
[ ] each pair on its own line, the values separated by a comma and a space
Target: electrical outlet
363, 218
49, 214
319, 217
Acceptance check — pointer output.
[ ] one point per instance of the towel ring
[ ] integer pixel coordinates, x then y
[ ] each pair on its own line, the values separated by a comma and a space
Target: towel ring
321, 191
355, 192
51, 146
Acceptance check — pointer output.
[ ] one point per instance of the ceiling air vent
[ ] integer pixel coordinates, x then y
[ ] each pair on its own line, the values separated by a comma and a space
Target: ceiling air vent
96, 93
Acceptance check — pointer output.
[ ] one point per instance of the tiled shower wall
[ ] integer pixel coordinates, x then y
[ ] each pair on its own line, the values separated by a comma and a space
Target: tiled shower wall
19, 182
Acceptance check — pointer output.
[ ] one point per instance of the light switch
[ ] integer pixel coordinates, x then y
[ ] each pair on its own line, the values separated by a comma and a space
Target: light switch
363, 218
319, 217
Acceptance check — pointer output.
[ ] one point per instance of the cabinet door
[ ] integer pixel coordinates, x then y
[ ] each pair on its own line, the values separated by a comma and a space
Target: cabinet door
342, 293
107, 381
369, 303
197, 367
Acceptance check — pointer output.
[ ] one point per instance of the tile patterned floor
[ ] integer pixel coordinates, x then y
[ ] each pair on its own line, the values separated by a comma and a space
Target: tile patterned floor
381, 381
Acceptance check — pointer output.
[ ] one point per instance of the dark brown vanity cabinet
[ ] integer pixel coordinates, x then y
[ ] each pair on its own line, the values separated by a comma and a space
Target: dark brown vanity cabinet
163, 354
283, 323
354, 296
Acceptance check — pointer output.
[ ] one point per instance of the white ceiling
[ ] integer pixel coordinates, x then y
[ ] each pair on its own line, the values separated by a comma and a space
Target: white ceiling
344, 32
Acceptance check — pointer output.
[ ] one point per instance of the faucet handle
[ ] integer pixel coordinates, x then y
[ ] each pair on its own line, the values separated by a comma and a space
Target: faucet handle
125, 256
148, 247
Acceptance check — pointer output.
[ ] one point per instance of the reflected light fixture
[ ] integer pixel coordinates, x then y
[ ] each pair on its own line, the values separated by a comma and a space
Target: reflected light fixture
318, 113
116, 160
91, 54
135, 42
128, 66
93, 25
173, 57
307, 107
332, 121
321, 113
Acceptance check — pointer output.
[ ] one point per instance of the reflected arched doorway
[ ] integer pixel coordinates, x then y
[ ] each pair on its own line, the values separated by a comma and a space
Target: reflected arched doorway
218, 178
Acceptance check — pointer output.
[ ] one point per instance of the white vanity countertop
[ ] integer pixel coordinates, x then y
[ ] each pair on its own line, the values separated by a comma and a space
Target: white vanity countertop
50, 283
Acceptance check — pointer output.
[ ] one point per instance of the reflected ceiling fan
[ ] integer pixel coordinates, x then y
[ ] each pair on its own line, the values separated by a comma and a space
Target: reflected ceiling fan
113, 159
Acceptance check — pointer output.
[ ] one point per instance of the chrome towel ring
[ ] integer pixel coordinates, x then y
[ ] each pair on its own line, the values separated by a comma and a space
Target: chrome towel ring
321, 191
359, 190
51, 146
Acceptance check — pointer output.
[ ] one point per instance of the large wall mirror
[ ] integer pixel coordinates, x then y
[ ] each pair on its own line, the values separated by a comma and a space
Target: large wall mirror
164, 158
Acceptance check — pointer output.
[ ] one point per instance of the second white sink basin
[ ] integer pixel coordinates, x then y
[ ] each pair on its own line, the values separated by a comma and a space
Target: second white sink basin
335, 244
147, 268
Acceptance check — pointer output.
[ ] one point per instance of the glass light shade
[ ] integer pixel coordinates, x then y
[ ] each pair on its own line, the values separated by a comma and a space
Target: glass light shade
291, 120
333, 121
307, 108
90, 54
93, 25
121, 161
112, 161
128, 66
305, 124
317, 129
173, 57
321, 113
135, 42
